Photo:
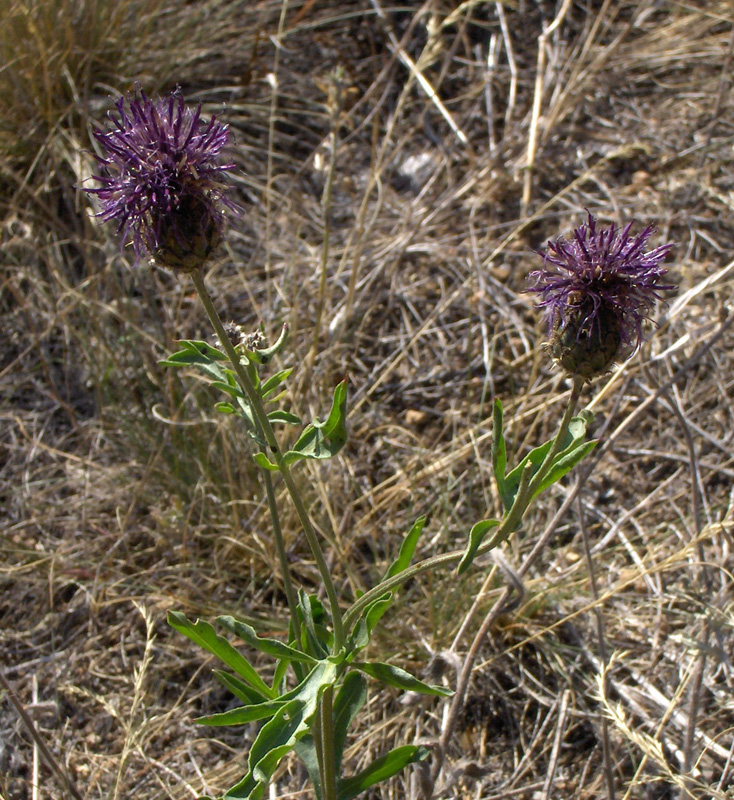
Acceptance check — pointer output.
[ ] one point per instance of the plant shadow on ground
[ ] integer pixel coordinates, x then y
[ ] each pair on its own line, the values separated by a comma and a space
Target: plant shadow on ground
123, 495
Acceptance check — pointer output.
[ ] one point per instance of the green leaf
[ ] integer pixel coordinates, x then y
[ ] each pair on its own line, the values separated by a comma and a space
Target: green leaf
263, 461
476, 536
242, 715
359, 639
564, 462
203, 634
264, 355
201, 355
380, 770
279, 735
407, 549
573, 439
281, 669
350, 698
284, 416
193, 351
271, 647
374, 612
240, 689
314, 635
306, 750
209, 360
229, 386
274, 381
275, 740
323, 439
399, 678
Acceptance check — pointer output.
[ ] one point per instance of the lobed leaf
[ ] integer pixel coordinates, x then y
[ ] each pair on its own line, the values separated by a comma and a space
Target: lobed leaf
271, 647
279, 735
203, 634
323, 439
239, 688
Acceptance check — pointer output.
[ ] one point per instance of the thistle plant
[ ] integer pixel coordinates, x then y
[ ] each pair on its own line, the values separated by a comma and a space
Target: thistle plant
162, 181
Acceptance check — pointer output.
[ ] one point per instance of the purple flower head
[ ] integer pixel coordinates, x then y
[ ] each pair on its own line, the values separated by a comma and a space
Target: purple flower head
597, 287
161, 179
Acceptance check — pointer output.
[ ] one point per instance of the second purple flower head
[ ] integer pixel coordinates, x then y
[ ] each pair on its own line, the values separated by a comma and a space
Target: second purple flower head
597, 288
162, 180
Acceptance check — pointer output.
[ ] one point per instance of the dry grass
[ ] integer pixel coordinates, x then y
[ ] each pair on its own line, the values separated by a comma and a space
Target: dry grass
123, 494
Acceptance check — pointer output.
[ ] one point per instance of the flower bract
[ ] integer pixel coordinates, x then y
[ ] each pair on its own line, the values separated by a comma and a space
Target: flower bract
161, 179
597, 287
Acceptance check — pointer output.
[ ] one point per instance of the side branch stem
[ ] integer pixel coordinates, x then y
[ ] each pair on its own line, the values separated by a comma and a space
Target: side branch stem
512, 520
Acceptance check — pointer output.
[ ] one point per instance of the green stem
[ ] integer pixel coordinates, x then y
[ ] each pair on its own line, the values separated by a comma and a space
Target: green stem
508, 525
328, 763
555, 449
268, 434
290, 592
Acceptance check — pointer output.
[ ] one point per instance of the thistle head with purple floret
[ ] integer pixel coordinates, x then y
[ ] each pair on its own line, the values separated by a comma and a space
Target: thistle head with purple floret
597, 288
161, 179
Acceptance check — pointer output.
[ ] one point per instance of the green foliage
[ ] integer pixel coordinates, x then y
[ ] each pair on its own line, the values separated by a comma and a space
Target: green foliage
541, 468
381, 769
476, 536
212, 363
407, 549
319, 440
573, 449
321, 653
271, 647
203, 634
399, 678
288, 715
350, 698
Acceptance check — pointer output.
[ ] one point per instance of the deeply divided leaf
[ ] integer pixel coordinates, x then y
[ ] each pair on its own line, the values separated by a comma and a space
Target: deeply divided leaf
323, 439
203, 634
271, 647
279, 735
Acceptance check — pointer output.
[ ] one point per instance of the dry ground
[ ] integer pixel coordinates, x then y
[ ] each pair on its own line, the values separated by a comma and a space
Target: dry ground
123, 494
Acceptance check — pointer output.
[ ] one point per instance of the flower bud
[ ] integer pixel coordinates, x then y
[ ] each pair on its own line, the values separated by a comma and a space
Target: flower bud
187, 236
584, 349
